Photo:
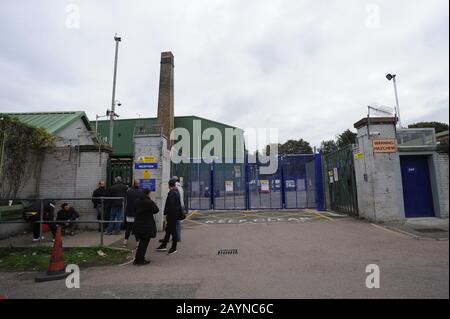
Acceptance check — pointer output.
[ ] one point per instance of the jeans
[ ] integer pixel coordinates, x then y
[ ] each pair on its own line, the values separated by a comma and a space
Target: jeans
116, 213
178, 230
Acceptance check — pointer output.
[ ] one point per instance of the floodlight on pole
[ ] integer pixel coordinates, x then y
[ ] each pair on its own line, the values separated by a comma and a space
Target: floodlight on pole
397, 107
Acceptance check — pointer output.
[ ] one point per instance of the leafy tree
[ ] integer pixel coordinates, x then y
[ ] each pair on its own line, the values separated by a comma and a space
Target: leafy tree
328, 146
346, 138
438, 126
295, 147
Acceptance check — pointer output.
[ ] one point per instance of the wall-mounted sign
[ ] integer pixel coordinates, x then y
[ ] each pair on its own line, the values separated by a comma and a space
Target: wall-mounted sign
359, 156
335, 174
147, 174
264, 186
237, 171
145, 165
229, 186
146, 159
148, 183
388, 145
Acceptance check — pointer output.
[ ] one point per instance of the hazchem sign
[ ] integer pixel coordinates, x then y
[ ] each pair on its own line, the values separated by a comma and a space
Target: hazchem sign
384, 145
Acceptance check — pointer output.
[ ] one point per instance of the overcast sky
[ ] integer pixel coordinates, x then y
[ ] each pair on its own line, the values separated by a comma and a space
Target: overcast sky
309, 68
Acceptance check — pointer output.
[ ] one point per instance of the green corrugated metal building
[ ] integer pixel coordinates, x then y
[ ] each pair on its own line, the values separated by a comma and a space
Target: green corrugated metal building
52, 122
124, 131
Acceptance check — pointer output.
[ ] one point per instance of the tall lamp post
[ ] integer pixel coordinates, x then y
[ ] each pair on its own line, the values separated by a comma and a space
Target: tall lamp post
112, 114
392, 77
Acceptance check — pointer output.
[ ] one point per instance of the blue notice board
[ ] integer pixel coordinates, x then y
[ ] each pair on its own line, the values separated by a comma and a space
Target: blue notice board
148, 183
145, 165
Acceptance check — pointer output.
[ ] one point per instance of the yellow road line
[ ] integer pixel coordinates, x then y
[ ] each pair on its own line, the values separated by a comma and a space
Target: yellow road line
399, 232
319, 215
195, 222
190, 215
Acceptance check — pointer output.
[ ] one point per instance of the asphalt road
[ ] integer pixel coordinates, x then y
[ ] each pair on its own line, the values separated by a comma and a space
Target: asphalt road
317, 257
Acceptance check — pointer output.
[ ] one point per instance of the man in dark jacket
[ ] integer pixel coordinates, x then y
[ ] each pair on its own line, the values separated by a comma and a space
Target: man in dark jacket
133, 194
119, 189
144, 225
66, 218
172, 210
99, 192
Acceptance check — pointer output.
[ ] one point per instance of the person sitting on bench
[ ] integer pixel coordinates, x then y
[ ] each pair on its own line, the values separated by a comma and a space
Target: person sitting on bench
67, 217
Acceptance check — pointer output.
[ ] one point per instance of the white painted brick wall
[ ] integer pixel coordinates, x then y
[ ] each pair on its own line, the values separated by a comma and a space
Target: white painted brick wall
66, 176
442, 172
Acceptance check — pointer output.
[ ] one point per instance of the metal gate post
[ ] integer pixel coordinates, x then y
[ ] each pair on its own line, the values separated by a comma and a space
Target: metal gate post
282, 181
211, 186
319, 181
247, 183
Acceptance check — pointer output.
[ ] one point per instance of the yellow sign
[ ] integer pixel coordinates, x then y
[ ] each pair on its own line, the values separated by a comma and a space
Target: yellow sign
146, 159
147, 174
384, 145
359, 155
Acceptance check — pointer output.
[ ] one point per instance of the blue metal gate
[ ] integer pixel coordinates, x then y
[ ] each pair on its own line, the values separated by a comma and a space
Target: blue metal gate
297, 183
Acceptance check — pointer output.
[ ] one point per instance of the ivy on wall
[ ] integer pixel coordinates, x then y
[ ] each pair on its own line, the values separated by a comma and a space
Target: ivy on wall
18, 144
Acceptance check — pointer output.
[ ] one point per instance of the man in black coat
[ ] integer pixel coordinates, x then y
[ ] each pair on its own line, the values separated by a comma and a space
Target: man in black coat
144, 225
119, 189
100, 209
133, 194
172, 210
66, 218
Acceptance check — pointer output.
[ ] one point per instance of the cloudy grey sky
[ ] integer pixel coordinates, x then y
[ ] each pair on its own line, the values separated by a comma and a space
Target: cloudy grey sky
309, 68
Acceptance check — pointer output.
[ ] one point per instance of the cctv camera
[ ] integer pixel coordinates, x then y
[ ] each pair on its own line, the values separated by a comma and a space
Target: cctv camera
375, 133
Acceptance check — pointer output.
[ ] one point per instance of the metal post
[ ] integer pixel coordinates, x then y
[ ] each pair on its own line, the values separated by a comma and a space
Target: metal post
113, 102
42, 219
101, 223
396, 101
123, 212
3, 150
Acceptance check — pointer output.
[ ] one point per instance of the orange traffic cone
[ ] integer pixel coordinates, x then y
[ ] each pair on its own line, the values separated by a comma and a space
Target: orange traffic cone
56, 269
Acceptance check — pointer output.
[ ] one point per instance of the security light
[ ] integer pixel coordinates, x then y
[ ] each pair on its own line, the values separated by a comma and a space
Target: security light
390, 76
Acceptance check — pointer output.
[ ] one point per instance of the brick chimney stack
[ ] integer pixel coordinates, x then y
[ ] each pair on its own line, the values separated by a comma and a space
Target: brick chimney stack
165, 99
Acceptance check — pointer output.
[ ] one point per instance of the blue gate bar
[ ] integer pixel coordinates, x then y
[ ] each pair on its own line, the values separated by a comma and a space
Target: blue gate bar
319, 182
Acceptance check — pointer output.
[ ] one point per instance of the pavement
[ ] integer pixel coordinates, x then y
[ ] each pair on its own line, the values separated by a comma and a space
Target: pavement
279, 254
430, 227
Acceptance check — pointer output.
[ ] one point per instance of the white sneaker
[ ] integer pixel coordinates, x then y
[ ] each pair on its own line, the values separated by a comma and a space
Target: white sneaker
36, 240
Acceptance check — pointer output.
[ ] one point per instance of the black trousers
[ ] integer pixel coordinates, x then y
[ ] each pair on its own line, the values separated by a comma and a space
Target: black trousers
142, 248
128, 229
36, 229
171, 230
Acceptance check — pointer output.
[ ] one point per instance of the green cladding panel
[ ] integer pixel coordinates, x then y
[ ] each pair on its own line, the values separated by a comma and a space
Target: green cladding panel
124, 132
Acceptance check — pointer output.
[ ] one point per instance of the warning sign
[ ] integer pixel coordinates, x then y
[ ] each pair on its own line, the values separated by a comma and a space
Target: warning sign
146, 159
264, 186
228, 186
384, 145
